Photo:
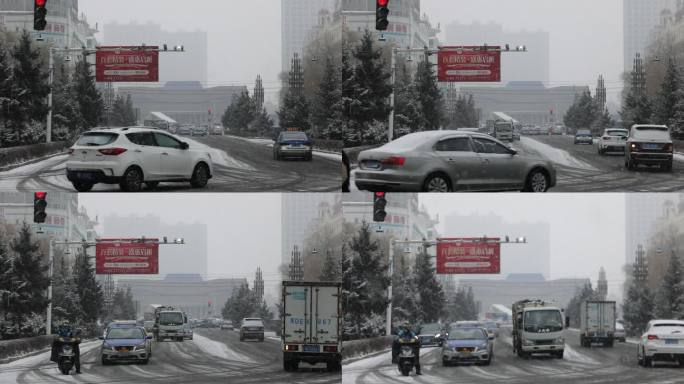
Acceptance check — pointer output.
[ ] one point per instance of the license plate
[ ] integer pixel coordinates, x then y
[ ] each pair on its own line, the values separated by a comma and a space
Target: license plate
671, 341
85, 175
371, 164
123, 350
312, 348
651, 146
295, 146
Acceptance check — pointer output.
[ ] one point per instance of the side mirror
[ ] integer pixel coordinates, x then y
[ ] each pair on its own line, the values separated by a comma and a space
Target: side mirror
148, 337
513, 151
491, 337
185, 145
101, 337
567, 321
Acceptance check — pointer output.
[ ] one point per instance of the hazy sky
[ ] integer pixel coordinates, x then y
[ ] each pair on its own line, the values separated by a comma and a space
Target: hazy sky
239, 240
587, 230
585, 35
244, 36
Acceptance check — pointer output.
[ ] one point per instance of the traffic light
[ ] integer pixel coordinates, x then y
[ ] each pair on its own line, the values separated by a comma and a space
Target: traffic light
39, 205
39, 14
379, 204
381, 13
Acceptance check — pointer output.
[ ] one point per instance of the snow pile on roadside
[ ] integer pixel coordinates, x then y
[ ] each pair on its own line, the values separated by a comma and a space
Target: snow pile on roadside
679, 157
571, 354
33, 168
221, 157
555, 155
10, 371
219, 349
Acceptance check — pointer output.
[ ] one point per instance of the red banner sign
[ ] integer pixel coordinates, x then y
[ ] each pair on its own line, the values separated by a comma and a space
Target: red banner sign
127, 64
468, 256
125, 257
469, 64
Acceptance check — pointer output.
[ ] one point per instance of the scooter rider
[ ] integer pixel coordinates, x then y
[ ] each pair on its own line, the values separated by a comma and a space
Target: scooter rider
406, 334
66, 335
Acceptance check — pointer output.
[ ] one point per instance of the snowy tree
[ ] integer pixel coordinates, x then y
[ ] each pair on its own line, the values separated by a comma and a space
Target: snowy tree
429, 97
7, 93
327, 97
66, 114
264, 312
462, 306
123, 113
431, 299
367, 280
88, 96
294, 111
331, 268
89, 289
66, 303
638, 306
369, 93
241, 304
262, 125
404, 298
582, 112
667, 98
670, 295
240, 113
602, 121
408, 114
123, 306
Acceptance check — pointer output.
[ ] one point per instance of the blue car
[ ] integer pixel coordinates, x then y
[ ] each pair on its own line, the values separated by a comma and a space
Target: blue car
469, 345
126, 344
292, 144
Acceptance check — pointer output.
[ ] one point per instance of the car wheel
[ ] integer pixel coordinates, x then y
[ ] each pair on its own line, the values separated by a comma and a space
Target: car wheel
82, 187
537, 181
151, 184
104, 361
487, 362
309, 157
437, 183
630, 164
200, 176
132, 180
667, 166
146, 361
648, 362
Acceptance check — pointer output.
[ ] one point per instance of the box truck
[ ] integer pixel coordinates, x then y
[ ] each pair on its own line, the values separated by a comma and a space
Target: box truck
597, 323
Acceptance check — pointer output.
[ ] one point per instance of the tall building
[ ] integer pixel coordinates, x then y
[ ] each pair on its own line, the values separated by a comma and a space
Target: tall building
298, 19
192, 65
534, 65
300, 212
533, 257
640, 17
65, 26
190, 258
642, 211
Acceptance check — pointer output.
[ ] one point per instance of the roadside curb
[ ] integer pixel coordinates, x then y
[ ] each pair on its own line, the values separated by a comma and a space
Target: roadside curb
372, 354
29, 162
30, 354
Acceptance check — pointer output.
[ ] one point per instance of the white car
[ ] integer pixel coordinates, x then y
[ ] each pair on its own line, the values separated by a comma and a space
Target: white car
663, 340
612, 140
135, 156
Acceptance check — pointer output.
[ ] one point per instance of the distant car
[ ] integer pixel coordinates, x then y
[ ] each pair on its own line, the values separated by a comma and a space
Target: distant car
227, 324
184, 130
200, 130
620, 334
584, 136
467, 324
612, 140
135, 156
556, 130
492, 328
467, 344
149, 326
649, 145
125, 344
663, 340
431, 334
448, 161
187, 332
217, 130
252, 328
292, 144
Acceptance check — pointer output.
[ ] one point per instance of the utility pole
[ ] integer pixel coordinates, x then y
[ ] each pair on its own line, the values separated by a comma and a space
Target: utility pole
296, 267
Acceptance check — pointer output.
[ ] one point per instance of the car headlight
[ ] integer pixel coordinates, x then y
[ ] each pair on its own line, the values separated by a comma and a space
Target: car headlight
141, 346
560, 340
528, 342
483, 345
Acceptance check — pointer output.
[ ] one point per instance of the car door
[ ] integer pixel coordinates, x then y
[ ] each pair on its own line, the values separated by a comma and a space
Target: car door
147, 153
501, 169
176, 162
463, 164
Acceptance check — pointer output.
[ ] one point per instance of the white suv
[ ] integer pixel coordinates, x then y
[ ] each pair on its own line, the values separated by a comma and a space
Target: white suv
663, 340
613, 140
133, 156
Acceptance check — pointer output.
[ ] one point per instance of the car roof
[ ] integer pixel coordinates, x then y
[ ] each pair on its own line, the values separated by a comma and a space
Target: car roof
660, 322
123, 129
649, 126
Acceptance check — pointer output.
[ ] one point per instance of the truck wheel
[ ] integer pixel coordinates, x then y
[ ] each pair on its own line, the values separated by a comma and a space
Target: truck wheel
559, 355
333, 366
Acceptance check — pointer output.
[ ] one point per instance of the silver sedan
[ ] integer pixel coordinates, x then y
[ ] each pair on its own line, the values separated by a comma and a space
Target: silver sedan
447, 161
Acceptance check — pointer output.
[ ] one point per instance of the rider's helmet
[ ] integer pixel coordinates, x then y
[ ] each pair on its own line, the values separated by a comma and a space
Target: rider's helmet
64, 329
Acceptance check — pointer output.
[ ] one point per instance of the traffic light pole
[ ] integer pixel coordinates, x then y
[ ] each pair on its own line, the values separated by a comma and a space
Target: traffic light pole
86, 245
429, 243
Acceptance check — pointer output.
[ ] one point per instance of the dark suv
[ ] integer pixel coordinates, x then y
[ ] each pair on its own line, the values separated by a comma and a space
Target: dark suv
649, 145
292, 144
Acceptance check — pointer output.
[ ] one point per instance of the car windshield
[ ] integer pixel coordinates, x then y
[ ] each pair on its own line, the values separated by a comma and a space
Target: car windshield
294, 136
617, 132
431, 328
543, 321
583, 133
651, 133
467, 334
491, 325
668, 325
125, 333
407, 142
95, 139
503, 127
171, 318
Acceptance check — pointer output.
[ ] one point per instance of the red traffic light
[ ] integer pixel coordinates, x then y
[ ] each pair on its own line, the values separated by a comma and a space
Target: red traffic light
40, 3
379, 194
40, 195
382, 3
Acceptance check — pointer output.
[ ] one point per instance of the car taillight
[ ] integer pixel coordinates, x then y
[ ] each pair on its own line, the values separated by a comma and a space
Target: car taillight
394, 160
291, 347
652, 337
606, 138
668, 147
112, 151
329, 348
71, 151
